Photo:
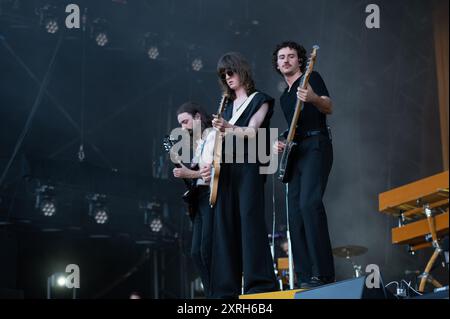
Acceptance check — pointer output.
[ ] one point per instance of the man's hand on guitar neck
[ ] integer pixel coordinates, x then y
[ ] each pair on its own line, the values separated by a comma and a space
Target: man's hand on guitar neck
307, 95
184, 172
220, 124
323, 103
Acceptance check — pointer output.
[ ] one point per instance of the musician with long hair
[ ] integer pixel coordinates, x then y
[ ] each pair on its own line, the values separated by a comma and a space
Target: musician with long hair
240, 242
188, 115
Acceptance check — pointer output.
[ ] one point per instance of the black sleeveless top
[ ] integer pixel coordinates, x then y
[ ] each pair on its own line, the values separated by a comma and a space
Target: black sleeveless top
258, 100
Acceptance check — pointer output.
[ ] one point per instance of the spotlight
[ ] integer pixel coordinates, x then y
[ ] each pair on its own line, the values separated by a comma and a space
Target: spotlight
152, 216
151, 43
61, 281
197, 64
48, 18
101, 39
101, 216
45, 201
57, 287
99, 31
57, 280
48, 208
153, 52
97, 208
51, 26
156, 224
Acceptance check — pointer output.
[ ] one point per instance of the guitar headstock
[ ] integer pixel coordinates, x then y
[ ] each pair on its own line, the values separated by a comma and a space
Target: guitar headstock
223, 102
311, 62
168, 142
314, 52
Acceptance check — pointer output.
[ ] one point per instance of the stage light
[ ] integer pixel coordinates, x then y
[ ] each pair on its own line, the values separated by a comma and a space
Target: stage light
197, 64
51, 26
101, 39
61, 281
48, 208
152, 43
45, 200
99, 31
156, 224
152, 216
153, 52
57, 287
101, 216
57, 280
98, 209
48, 18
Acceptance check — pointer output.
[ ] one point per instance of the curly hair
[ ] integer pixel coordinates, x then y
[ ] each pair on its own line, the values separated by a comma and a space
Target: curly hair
237, 63
301, 53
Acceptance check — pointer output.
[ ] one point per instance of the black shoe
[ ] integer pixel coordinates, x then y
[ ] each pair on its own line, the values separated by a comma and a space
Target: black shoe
316, 282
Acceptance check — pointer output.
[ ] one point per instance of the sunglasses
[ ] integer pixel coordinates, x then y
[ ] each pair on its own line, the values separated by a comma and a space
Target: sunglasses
223, 75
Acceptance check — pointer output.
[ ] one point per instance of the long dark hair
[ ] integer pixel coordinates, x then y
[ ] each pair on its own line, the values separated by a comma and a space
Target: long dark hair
235, 62
301, 53
194, 108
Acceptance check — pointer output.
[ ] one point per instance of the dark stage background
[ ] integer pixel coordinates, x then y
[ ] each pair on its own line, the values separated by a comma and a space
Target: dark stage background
120, 104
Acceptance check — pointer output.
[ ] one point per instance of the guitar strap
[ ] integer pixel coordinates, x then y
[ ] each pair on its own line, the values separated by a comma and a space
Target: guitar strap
241, 110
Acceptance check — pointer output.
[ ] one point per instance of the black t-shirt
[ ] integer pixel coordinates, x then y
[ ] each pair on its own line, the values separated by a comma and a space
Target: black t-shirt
311, 119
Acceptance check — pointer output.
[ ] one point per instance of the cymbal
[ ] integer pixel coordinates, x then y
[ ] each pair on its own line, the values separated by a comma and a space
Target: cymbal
349, 251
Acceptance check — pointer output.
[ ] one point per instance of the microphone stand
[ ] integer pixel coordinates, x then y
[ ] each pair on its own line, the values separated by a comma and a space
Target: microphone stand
288, 236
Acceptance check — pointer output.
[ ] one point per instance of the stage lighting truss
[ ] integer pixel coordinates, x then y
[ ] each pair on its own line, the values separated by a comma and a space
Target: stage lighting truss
45, 200
152, 216
48, 18
99, 31
98, 210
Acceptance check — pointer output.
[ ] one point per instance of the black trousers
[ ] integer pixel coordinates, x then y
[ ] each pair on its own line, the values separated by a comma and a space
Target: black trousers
241, 244
202, 237
312, 159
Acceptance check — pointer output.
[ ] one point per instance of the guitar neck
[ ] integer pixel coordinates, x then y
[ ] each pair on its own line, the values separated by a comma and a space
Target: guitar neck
187, 182
298, 109
223, 102
176, 160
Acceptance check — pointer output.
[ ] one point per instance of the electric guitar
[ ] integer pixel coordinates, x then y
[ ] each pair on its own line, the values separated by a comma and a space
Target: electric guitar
190, 196
284, 172
217, 157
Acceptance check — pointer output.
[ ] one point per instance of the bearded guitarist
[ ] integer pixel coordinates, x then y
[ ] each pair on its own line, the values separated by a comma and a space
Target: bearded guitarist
188, 115
309, 165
